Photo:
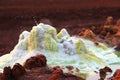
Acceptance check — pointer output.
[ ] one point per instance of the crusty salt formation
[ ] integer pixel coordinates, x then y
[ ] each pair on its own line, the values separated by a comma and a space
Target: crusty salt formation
60, 50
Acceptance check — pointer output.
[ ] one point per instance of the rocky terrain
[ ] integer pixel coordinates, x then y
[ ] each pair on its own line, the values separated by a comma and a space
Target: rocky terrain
37, 71
20, 16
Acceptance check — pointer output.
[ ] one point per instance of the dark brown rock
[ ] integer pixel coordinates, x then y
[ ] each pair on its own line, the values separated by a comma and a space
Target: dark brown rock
36, 61
18, 70
118, 47
103, 72
7, 74
14, 73
69, 67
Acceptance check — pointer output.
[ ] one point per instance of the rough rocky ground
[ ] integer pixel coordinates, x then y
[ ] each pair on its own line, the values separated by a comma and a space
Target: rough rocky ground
37, 71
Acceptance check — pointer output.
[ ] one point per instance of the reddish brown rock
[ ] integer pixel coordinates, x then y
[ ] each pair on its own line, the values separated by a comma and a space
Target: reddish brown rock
36, 61
87, 33
59, 75
116, 75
